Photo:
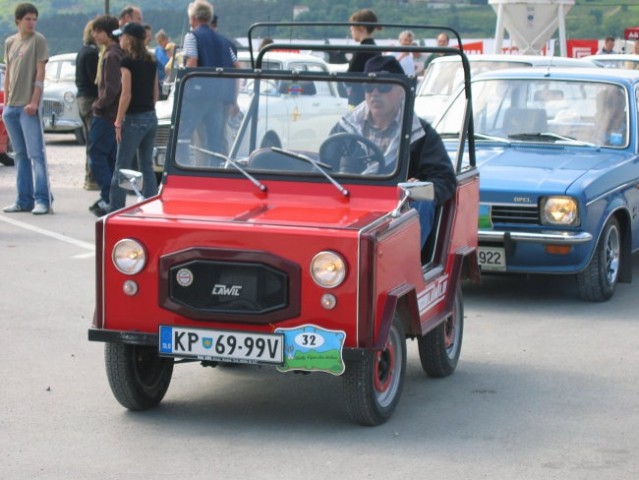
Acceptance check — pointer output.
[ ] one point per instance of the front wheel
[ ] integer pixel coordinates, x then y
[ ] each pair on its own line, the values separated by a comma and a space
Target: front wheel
138, 377
598, 281
440, 348
372, 386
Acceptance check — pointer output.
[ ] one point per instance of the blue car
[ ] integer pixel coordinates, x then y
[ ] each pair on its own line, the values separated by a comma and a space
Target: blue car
557, 152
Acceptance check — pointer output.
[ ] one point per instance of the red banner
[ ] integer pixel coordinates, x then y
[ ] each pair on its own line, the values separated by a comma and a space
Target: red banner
631, 33
581, 48
473, 47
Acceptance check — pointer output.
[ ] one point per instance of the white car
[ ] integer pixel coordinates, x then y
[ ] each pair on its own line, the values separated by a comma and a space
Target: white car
314, 105
59, 103
444, 75
615, 60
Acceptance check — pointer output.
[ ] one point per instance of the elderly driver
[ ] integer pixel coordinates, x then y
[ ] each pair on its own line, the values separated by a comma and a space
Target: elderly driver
378, 119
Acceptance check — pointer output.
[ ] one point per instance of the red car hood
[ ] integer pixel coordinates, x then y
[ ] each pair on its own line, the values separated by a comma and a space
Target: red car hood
284, 203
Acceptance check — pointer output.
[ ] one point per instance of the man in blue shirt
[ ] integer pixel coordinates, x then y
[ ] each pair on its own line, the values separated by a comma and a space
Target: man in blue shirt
204, 106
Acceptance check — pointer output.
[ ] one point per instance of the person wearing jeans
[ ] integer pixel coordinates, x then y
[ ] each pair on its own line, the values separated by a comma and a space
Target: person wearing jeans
135, 123
140, 136
102, 136
26, 54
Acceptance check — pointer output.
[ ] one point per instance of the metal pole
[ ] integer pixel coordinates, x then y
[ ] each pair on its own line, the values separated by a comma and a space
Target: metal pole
106, 7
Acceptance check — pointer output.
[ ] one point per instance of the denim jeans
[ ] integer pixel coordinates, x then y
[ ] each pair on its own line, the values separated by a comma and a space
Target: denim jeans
426, 211
102, 152
27, 139
138, 134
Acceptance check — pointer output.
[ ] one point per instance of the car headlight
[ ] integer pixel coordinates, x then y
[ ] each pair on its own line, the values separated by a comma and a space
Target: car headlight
559, 211
129, 256
69, 97
328, 269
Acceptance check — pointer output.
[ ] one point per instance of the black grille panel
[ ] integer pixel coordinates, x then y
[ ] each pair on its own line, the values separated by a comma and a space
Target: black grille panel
228, 287
519, 214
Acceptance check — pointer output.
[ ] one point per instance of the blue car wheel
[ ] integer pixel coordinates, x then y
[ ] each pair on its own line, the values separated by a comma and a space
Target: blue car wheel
598, 281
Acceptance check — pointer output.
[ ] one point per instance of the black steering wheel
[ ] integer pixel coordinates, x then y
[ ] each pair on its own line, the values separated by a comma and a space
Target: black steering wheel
351, 153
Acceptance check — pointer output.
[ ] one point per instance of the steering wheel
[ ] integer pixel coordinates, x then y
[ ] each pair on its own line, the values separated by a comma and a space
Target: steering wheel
351, 153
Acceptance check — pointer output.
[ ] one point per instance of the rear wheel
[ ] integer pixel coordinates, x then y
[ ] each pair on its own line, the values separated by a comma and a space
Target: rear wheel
373, 386
138, 377
598, 281
440, 348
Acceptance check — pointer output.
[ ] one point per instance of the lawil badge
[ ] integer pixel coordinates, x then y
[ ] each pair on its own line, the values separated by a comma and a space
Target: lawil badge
221, 290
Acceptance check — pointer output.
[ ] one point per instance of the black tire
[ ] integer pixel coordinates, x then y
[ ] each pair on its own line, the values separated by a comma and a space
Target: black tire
440, 348
373, 386
598, 281
138, 377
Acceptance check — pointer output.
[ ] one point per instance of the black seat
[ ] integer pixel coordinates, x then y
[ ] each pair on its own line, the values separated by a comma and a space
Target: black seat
267, 159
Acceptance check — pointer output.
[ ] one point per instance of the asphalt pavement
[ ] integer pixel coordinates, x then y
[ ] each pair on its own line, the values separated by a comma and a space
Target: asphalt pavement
547, 385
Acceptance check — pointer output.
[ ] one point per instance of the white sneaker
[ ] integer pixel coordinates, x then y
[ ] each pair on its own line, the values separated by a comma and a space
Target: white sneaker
41, 209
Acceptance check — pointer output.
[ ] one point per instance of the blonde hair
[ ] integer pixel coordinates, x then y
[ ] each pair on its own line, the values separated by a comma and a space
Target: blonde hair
87, 34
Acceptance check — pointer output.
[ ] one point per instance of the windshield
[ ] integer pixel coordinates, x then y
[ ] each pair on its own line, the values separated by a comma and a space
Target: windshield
62, 70
299, 126
443, 78
545, 110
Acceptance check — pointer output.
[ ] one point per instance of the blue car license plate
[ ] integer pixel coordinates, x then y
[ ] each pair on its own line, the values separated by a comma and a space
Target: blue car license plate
221, 345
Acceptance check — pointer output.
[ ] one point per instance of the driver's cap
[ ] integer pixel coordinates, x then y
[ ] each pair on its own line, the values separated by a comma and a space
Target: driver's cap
383, 63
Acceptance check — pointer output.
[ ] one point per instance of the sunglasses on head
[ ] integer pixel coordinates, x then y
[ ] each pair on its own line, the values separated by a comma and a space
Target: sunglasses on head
381, 88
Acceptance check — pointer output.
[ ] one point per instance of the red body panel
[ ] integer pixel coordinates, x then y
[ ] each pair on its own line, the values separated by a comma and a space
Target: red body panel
292, 221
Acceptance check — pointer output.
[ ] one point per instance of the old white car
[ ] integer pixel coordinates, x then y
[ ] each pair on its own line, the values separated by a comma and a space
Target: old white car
445, 75
311, 105
615, 60
59, 106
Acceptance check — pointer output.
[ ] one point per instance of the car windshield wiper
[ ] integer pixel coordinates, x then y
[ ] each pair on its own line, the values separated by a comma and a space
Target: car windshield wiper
320, 166
549, 136
253, 180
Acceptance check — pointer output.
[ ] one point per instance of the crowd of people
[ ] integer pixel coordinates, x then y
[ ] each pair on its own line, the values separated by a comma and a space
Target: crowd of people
119, 78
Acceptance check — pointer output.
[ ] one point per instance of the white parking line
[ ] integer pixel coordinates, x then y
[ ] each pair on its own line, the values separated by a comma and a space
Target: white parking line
48, 233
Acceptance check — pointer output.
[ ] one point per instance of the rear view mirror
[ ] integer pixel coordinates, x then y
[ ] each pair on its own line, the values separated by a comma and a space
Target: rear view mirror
419, 191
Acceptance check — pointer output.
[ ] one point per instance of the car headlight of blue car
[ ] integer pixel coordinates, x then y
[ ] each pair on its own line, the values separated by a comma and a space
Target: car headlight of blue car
559, 211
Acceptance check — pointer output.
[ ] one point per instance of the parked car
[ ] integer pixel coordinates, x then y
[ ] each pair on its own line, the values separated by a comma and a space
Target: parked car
304, 257
615, 60
444, 75
323, 99
558, 155
59, 106
6, 155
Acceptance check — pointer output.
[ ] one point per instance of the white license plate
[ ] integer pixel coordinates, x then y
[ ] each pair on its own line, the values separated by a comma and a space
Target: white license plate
492, 258
221, 345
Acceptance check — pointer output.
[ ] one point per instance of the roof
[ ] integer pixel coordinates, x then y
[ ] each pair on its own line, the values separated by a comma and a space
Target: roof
529, 59
594, 73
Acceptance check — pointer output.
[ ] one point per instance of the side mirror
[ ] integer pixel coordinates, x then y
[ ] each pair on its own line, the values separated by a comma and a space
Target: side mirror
418, 191
131, 180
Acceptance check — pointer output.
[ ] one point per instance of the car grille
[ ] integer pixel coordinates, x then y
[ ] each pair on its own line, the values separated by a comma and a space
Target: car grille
241, 286
162, 136
51, 107
519, 214
229, 287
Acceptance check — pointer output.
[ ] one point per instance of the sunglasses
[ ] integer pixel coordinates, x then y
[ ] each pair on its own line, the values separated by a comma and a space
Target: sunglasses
383, 88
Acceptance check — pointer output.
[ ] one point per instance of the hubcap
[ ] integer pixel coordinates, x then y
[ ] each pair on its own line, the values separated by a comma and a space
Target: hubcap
612, 255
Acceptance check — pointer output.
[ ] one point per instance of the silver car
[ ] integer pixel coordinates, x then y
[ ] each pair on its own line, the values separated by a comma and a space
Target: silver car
60, 107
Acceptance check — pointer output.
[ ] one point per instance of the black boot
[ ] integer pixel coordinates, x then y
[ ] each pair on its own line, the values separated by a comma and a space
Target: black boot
6, 160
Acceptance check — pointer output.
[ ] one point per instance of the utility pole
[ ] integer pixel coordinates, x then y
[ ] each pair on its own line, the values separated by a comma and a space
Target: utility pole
106, 7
